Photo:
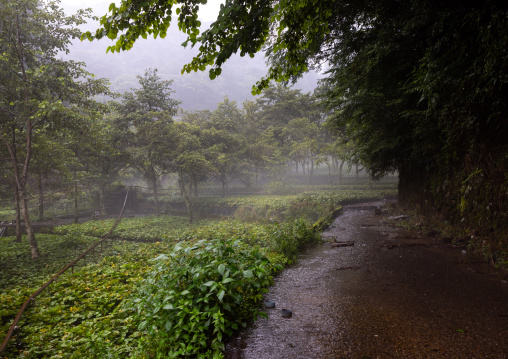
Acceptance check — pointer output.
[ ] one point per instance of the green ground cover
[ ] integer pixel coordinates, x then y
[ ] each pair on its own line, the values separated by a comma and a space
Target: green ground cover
207, 281
56, 252
7, 214
309, 204
149, 228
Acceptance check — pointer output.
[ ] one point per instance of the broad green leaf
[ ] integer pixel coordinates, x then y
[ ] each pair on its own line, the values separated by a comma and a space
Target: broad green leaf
221, 269
168, 325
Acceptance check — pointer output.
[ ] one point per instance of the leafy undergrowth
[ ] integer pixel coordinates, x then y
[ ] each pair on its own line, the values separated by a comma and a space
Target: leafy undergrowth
280, 188
90, 313
149, 228
310, 205
196, 296
83, 312
16, 268
184, 303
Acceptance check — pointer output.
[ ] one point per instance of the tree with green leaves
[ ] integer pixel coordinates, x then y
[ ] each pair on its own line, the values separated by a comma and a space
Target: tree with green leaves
145, 118
108, 159
225, 152
224, 139
52, 157
37, 90
279, 104
191, 163
301, 138
260, 144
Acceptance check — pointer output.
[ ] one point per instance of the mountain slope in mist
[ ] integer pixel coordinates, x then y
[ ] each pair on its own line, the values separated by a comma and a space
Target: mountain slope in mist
195, 90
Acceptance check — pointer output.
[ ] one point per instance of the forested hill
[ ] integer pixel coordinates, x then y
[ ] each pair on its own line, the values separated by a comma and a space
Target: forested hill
195, 90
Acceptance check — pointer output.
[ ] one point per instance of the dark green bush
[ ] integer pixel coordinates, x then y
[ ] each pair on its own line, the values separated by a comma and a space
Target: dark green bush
196, 296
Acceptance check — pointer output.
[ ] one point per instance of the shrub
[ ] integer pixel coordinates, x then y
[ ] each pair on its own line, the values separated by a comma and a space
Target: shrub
288, 238
195, 296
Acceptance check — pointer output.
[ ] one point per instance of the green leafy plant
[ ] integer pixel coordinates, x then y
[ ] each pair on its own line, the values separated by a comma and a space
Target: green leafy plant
197, 295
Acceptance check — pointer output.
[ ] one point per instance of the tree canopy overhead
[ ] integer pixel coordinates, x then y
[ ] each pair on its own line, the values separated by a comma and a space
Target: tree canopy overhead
242, 26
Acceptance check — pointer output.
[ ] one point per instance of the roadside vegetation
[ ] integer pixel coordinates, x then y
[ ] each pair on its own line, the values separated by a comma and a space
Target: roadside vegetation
162, 287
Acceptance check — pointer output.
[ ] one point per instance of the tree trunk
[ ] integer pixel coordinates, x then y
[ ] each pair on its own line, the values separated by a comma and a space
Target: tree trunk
195, 181
330, 165
41, 196
223, 181
20, 183
76, 214
188, 203
34, 248
14, 157
155, 196
367, 173
340, 172
357, 171
102, 199
18, 215
21, 179
311, 170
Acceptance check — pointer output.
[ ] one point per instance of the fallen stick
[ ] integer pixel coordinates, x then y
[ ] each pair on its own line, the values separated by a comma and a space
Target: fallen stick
348, 268
402, 245
343, 244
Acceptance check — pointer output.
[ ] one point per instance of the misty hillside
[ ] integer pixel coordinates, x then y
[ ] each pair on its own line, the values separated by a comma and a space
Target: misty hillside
195, 90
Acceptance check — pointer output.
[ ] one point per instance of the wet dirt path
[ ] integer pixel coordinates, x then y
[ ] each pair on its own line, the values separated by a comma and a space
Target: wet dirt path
368, 301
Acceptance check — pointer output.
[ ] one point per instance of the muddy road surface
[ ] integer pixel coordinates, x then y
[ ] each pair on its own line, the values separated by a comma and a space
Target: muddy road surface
389, 295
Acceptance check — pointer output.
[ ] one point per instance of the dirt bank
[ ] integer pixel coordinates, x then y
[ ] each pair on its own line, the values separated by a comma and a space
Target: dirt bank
386, 296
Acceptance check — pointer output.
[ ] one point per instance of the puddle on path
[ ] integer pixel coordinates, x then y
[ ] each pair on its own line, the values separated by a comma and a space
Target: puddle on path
367, 301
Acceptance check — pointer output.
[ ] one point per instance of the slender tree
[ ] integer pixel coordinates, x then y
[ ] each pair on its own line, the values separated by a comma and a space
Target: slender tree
145, 117
37, 89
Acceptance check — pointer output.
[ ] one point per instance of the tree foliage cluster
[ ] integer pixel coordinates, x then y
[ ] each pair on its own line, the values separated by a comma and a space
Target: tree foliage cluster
418, 86
44, 101
230, 143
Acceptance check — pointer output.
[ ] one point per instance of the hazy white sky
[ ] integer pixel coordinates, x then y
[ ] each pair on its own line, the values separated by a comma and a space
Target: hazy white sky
207, 12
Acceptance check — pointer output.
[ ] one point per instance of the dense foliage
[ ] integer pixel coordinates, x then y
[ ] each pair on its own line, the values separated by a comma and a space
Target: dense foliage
150, 299
419, 87
56, 252
79, 315
197, 295
310, 205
